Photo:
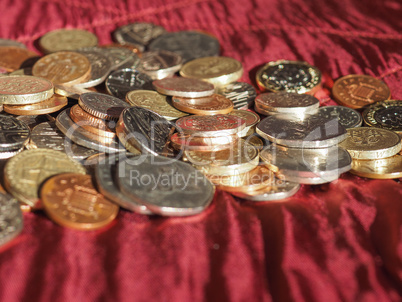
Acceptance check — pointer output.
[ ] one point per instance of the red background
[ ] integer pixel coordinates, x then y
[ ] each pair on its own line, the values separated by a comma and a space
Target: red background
334, 242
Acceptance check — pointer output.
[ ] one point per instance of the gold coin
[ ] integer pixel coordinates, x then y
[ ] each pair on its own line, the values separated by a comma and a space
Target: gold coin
55, 103
209, 105
67, 39
371, 143
251, 118
25, 172
255, 141
64, 67
202, 143
384, 168
219, 71
154, 101
72, 201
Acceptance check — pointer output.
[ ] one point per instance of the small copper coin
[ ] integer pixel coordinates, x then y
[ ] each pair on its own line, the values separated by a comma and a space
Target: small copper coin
200, 143
357, 91
183, 87
72, 201
55, 103
11, 57
209, 105
64, 67
102, 105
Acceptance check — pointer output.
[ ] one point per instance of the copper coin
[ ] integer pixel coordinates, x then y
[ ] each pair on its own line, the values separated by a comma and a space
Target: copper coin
357, 91
11, 57
183, 87
72, 201
214, 125
55, 103
200, 143
102, 105
92, 123
209, 105
64, 67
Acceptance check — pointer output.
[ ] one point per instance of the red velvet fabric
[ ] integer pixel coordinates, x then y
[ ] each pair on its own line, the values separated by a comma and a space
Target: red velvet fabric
335, 242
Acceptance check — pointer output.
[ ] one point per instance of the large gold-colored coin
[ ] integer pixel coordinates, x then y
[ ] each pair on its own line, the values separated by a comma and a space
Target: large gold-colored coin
385, 168
64, 67
72, 201
208, 105
25, 172
219, 71
53, 104
67, 39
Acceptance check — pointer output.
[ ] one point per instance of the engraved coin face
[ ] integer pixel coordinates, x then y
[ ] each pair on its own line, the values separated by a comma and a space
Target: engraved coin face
308, 131
72, 201
100, 68
63, 68
11, 220
371, 143
160, 64
357, 91
25, 172
120, 56
182, 87
347, 117
83, 118
138, 34
210, 105
14, 134
167, 187
241, 94
12, 57
53, 104
67, 39
102, 105
188, 44
386, 115
289, 76
122, 81
284, 102
250, 117
154, 101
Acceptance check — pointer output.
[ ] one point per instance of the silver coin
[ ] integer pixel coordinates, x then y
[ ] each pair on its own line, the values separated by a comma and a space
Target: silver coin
105, 172
283, 102
100, 68
122, 81
118, 56
101, 105
11, 220
9, 154
347, 117
47, 135
160, 64
14, 134
308, 166
138, 34
72, 92
165, 186
145, 130
184, 87
241, 94
32, 120
8, 42
307, 131
84, 138
188, 44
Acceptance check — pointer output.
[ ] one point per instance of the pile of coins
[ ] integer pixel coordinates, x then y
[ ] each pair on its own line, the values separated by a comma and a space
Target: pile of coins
156, 121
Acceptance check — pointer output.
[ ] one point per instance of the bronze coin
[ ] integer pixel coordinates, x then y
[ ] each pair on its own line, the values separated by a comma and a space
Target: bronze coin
53, 104
11, 57
210, 105
200, 143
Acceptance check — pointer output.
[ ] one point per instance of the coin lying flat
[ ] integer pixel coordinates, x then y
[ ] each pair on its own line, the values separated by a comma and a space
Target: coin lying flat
67, 39
100, 68
53, 104
122, 81
21, 90
241, 94
13, 57
385, 115
72, 201
371, 143
165, 186
120, 57
182, 87
289, 76
160, 64
106, 174
202, 143
308, 131
357, 91
25, 172
64, 67
102, 105
384, 168
32, 120
14, 134
154, 101
72, 92
218, 71
188, 44
251, 119
209, 105
347, 117
9, 42
11, 220
308, 166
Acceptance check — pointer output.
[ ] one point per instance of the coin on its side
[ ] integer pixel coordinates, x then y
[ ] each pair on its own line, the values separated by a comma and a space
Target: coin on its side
347, 117
71, 200
357, 91
67, 39
102, 105
53, 104
209, 105
183, 87
201, 143
385, 115
11, 219
241, 94
25, 172
384, 168
371, 143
